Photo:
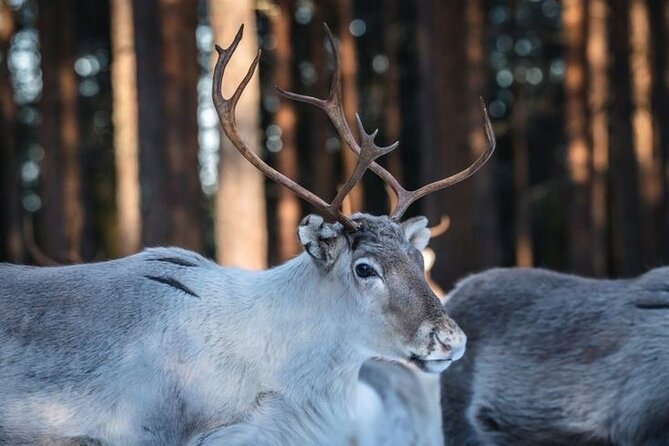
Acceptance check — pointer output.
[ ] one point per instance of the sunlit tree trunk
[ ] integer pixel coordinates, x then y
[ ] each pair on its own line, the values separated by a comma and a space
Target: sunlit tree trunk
63, 213
579, 157
288, 206
625, 216
124, 91
598, 88
11, 240
240, 220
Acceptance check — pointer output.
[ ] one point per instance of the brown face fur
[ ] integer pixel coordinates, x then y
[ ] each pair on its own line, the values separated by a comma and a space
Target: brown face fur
412, 314
380, 267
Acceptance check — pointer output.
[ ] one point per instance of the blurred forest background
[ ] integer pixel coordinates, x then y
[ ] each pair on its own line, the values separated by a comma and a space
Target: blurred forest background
110, 141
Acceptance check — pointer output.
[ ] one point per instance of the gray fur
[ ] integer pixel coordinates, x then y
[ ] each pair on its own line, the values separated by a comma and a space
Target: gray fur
398, 406
555, 359
167, 348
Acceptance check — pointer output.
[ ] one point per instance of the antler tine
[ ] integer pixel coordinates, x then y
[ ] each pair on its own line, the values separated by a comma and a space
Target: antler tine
405, 198
333, 107
368, 152
226, 115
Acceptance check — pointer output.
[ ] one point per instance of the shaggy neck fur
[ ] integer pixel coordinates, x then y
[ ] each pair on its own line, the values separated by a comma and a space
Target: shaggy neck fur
305, 340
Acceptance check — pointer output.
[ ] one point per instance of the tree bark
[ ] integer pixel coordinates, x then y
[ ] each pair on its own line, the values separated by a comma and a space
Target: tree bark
625, 218
154, 181
11, 239
240, 220
598, 88
167, 75
124, 91
323, 166
579, 157
349, 70
288, 207
63, 213
471, 242
181, 72
648, 157
659, 30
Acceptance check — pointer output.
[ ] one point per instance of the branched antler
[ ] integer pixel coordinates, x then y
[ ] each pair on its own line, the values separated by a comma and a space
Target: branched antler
368, 151
333, 107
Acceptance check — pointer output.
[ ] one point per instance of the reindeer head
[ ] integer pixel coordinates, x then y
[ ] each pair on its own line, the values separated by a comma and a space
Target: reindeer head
376, 260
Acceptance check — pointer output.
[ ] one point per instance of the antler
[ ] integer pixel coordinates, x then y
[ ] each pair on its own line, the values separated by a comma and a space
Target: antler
368, 151
333, 107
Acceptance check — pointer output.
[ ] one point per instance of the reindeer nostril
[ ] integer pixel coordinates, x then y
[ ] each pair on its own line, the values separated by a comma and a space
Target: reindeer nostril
444, 346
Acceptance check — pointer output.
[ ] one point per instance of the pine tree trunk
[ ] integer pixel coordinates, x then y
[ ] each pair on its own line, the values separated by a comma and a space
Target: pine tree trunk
579, 157
598, 89
648, 157
181, 72
167, 75
63, 213
288, 207
659, 30
471, 242
626, 227
124, 90
240, 220
349, 70
153, 164
323, 166
11, 239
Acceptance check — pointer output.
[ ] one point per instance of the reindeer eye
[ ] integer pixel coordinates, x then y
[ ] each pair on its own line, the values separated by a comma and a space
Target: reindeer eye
363, 270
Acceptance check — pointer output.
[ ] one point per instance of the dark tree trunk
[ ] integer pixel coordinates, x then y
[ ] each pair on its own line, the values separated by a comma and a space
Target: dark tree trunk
167, 73
598, 91
62, 221
471, 242
349, 70
624, 175
153, 158
659, 30
646, 149
11, 239
181, 72
579, 156
288, 206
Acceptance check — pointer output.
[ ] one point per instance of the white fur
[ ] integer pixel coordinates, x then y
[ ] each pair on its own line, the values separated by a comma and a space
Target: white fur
167, 348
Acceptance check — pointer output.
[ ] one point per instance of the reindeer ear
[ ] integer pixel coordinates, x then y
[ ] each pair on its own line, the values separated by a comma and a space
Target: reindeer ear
416, 232
320, 240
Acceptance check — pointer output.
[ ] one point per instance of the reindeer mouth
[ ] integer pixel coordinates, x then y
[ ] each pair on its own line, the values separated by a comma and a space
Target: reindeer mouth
430, 365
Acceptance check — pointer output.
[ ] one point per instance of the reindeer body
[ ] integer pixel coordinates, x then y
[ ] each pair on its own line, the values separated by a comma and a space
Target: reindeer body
167, 348
109, 352
555, 359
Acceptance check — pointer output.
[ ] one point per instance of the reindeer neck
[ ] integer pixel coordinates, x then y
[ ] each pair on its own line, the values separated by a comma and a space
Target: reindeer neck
311, 331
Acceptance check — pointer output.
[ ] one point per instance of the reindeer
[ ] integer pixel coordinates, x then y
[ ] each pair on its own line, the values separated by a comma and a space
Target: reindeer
555, 359
167, 348
398, 405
